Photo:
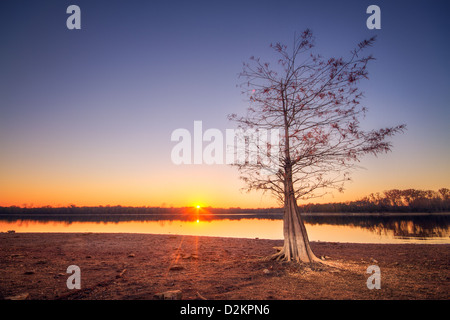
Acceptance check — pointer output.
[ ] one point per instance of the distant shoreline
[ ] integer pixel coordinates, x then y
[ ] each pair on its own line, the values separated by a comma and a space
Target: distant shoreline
259, 215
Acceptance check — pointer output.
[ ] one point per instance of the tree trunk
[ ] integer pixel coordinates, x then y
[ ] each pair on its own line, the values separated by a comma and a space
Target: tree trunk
296, 243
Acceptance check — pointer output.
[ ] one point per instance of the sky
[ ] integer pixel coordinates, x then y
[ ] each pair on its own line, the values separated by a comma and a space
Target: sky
86, 116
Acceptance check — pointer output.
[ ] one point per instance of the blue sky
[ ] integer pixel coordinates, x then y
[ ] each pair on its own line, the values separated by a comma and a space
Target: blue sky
86, 115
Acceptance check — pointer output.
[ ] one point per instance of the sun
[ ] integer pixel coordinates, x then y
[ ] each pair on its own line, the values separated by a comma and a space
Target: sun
197, 206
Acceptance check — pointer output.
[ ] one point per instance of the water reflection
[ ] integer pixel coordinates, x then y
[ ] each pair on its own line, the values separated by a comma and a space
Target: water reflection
358, 229
417, 226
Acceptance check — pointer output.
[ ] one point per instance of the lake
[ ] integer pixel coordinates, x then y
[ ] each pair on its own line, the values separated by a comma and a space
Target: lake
418, 228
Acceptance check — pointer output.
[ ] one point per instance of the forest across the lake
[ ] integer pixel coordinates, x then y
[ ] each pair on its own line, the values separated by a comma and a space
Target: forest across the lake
391, 201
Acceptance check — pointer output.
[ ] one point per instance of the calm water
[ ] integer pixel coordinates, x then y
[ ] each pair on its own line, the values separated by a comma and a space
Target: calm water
356, 229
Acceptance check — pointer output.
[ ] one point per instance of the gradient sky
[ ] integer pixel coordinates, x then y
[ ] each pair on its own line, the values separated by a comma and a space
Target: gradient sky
86, 115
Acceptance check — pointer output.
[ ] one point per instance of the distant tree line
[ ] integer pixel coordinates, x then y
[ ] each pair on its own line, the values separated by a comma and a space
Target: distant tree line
407, 201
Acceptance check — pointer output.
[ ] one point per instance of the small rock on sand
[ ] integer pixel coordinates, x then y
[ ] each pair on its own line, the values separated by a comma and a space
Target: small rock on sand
169, 295
120, 275
22, 296
176, 267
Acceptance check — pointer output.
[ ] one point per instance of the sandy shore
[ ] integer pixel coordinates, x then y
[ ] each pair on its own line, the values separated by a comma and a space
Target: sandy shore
138, 266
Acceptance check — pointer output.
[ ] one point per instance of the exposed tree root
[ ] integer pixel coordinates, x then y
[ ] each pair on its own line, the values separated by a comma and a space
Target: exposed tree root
280, 257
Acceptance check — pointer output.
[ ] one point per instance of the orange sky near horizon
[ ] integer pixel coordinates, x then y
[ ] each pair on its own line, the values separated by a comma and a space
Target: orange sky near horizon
188, 185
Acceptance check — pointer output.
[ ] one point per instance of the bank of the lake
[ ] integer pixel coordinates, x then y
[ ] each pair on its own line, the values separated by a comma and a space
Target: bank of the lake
137, 266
